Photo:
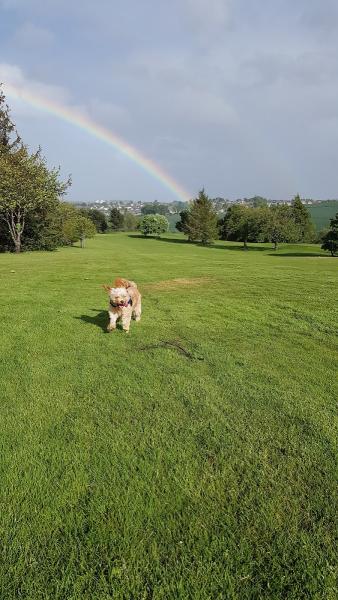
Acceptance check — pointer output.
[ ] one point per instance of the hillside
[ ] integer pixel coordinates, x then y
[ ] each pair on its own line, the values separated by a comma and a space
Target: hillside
322, 213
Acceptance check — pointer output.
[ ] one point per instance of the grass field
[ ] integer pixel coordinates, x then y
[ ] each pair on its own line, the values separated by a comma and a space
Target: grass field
194, 458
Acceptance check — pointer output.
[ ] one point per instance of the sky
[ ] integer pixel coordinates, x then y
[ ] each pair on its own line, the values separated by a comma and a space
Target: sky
236, 96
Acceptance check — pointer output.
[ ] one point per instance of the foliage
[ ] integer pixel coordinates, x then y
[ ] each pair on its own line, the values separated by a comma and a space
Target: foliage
244, 224
154, 225
330, 239
74, 225
201, 222
9, 137
182, 224
130, 471
97, 217
281, 226
116, 219
303, 221
26, 186
154, 208
29, 192
130, 221
259, 201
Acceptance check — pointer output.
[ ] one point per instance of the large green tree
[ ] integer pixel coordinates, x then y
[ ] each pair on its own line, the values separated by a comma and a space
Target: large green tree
242, 223
330, 238
280, 225
201, 224
29, 190
26, 185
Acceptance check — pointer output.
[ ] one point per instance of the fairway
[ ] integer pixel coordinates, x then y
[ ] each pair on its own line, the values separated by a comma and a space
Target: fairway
194, 458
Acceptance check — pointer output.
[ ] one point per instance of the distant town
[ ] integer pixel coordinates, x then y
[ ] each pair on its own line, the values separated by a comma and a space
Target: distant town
173, 208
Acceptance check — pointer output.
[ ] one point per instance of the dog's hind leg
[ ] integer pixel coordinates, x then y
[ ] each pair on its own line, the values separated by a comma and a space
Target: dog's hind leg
137, 311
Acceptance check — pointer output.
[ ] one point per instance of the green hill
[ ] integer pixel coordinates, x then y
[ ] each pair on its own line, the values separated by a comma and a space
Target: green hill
322, 213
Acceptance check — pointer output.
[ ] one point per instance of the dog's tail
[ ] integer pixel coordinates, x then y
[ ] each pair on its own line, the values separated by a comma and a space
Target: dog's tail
125, 283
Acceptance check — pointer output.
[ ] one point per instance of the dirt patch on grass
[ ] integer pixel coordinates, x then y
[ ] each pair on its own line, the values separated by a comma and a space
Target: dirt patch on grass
173, 284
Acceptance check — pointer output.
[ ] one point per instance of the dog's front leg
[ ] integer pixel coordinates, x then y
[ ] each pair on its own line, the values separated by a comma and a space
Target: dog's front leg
112, 321
126, 322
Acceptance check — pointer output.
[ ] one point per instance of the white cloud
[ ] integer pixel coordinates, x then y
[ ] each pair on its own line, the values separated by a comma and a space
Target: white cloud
12, 75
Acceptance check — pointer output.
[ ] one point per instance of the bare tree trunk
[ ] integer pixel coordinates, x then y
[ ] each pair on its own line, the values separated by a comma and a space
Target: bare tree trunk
82, 240
245, 245
16, 228
17, 243
275, 245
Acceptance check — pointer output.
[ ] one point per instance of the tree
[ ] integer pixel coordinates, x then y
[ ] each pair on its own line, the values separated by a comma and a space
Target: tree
26, 185
330, 239
201, 223
281, 226
97, 217
154, 225
29, 191
182, 225
116, 219
9, 137
74, 225
154, 208
130, 221
240, 223
302, 219
258, 201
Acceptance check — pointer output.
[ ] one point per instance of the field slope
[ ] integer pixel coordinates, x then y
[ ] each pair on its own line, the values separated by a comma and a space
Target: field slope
194, 458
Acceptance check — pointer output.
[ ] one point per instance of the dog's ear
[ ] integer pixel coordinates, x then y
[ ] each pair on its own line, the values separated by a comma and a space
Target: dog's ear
106, 287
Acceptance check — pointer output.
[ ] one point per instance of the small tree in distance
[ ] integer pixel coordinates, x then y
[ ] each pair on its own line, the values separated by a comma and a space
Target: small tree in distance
116, 219
130, 221
302, 218
201, 221
97, 217
154, 225
330, 239
281, 226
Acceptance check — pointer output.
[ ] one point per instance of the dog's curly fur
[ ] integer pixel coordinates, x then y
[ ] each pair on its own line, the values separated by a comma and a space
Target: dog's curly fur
124, 303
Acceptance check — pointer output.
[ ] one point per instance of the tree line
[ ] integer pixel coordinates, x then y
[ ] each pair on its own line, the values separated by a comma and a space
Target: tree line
260, 223
34, 216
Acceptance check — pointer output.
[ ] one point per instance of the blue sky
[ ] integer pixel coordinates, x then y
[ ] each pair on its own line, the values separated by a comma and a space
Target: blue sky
238, 96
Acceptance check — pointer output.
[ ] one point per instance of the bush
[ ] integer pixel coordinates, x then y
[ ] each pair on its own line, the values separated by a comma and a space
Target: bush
154, 225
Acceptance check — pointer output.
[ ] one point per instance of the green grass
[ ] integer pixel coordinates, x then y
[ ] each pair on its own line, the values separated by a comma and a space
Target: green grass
130, 471
322, 213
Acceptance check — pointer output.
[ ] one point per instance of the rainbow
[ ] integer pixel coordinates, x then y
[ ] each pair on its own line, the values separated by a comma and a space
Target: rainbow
75, 118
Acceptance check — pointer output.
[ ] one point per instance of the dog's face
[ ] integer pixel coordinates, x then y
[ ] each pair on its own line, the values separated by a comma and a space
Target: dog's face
118, 296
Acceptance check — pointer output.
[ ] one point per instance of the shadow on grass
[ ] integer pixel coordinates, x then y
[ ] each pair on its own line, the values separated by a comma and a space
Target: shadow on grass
297, 254
199, 245
99, 320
